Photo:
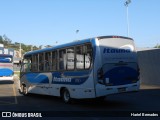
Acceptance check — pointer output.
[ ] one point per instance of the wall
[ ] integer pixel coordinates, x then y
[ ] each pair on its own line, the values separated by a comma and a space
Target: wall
149, 63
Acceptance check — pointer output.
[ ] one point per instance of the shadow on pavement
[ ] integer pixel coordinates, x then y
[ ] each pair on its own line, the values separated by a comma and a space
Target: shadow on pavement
6, 82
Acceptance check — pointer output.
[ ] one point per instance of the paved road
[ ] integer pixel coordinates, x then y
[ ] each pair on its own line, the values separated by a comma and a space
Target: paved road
147, 99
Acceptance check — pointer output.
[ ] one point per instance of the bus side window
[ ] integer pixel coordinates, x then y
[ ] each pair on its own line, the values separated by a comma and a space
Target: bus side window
34, 66
79, 57
41, 62
88, 55
47, 61
54, 60
26, 65
83, 56
70, 58
62, 59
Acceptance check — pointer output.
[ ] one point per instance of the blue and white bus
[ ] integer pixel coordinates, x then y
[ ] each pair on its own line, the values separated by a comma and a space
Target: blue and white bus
90, 68
6, 67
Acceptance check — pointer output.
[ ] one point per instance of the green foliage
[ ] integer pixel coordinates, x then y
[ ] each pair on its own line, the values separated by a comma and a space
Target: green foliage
16, 46
1, 40
157, 46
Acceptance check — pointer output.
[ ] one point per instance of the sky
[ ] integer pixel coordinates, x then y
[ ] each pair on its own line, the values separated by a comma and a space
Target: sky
45, 22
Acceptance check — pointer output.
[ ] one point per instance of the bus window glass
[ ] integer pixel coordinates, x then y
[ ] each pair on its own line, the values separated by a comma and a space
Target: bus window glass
35, 63
62, 59
70, 58
41, 62
88, 55
47, 61
79, 57
54, 60
26, 65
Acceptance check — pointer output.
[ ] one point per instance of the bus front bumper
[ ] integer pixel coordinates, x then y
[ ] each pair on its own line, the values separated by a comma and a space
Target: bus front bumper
6, 78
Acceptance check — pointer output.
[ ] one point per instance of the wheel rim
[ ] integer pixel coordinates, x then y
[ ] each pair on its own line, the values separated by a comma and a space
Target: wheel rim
25, 90
66, 96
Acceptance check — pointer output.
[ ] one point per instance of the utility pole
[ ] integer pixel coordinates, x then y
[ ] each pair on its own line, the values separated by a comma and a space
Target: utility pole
126, 4
20, 50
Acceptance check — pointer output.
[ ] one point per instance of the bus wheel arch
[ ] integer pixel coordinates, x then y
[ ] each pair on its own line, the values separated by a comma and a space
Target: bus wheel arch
65, 95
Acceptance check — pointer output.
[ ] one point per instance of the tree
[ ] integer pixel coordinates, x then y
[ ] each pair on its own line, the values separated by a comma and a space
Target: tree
1, 39
6, 40
157, 46
35, 48
16, 45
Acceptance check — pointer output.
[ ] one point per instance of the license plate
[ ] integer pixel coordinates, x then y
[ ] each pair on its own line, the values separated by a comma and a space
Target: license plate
121, 89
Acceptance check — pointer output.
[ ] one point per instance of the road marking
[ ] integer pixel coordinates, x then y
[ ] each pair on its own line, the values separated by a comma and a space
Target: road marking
6, 103
3, 91
15, 95
8, 93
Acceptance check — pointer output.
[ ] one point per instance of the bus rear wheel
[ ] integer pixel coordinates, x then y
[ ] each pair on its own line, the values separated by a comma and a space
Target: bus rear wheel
102, 98
66, 96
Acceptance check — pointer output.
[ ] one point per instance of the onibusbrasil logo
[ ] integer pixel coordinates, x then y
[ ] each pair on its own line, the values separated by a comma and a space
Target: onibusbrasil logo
19, 114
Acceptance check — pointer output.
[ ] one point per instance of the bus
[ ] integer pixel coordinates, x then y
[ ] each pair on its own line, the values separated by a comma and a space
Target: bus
89, 68
6, 67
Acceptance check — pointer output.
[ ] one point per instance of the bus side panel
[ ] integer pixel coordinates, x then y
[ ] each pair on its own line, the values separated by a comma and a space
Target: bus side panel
79, 83
38, 83
80, 86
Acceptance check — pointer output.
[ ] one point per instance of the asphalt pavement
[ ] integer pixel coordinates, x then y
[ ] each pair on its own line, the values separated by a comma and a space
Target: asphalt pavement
144, 101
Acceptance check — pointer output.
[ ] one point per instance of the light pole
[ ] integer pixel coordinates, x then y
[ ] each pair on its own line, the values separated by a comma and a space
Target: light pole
126, 4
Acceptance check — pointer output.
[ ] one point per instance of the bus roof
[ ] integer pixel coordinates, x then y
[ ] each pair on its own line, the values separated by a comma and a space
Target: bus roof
113, 36
78, 42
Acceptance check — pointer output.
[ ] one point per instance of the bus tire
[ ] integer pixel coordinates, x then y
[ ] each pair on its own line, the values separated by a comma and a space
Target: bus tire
66, 96
102, 98
25, 90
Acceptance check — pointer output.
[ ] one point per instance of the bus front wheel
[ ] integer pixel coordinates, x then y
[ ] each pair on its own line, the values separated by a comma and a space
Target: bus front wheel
66, 96
25, 90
